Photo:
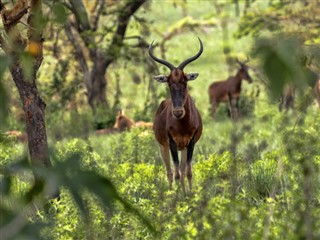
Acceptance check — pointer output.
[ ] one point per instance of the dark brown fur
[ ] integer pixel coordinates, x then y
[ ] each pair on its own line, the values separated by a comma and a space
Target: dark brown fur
177, 124
228, 91
181, 130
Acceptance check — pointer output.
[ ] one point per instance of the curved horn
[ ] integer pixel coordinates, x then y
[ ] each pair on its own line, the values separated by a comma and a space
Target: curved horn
189, 60
164, 62
241, 63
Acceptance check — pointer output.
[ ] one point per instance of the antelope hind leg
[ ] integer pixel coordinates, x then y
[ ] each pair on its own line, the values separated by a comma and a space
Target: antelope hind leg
230, 106
175, 157
214, 107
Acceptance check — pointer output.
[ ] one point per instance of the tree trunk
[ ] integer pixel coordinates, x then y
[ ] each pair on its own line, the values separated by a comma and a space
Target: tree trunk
24, 75
95, 80
34, 109
98, 82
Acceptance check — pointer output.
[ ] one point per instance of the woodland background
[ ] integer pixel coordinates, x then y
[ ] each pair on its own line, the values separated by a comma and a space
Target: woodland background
66, 67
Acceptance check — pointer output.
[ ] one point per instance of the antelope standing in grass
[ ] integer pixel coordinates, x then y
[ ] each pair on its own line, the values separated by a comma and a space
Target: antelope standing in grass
177, 122
123, 122
287, 97
288, 92
229, 91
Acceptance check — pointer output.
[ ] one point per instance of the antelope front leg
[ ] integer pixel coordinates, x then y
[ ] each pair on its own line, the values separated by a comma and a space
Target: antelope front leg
214, 106
230, 105
175, 158
166, 159
183, 169
189, 161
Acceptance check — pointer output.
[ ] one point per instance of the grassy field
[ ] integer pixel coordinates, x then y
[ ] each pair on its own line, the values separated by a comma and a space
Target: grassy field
256, 178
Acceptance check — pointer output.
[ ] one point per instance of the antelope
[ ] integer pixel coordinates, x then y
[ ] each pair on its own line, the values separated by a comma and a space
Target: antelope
143, 124
288, 92
177, 122
287, 97
17, 135
105, 131
122, 122
229, 90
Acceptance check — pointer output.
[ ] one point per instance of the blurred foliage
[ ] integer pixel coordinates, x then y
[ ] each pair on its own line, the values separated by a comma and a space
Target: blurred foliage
295, 18
81, 184
3, 93
282, 65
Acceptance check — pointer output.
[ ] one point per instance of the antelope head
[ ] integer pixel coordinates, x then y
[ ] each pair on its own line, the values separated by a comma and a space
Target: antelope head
244, 70
177, 81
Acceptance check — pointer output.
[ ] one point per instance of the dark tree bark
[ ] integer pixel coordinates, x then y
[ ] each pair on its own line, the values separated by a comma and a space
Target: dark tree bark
94, 76
25, 79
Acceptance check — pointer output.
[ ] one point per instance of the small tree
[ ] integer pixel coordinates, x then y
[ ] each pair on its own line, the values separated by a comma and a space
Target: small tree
24, 51
81, 30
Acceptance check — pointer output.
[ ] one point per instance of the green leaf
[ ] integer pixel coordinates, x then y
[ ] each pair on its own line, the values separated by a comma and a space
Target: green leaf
27, 65
60, 13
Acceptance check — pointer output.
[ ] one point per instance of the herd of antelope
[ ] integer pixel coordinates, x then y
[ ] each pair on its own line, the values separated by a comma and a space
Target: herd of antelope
177, 123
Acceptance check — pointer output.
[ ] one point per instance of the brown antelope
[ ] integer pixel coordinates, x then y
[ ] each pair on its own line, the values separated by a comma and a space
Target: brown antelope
105, 131
17, 135
143, 124
288, 92
229, 90
287, 97
122, 122
177, 123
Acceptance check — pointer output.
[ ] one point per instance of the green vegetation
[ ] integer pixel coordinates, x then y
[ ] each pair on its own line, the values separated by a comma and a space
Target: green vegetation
257, 178
249, 180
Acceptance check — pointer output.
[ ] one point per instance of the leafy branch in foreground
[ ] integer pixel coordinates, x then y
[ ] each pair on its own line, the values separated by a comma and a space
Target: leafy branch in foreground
67, 174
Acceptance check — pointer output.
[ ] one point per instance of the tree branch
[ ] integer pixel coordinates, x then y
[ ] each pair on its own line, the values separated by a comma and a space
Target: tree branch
10, 17
123, 21
79, 53
97, 15
35, 22
81, 15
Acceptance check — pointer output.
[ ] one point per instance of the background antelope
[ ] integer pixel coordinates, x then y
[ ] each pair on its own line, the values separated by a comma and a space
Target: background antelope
287, 97
177, 122
123, 122
289, 89
229, 90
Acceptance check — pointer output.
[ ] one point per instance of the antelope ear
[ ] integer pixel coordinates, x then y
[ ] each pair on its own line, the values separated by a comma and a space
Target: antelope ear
160, 78
192, 76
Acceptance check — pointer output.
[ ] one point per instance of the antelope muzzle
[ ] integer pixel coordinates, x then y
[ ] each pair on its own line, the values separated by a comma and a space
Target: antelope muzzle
178, 113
